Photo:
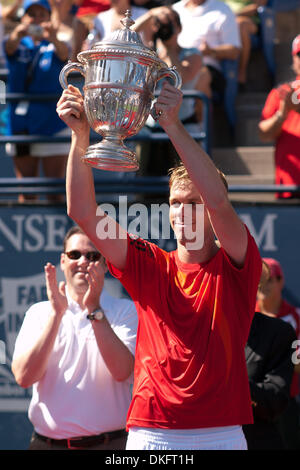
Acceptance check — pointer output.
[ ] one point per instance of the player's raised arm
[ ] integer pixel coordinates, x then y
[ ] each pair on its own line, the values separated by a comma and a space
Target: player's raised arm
227, 226
80, 189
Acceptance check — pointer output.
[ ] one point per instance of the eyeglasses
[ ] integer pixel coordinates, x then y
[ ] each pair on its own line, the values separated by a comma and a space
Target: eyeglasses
90, 255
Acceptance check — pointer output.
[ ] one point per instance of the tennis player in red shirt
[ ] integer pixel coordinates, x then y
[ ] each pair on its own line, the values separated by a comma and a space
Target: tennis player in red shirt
195, 304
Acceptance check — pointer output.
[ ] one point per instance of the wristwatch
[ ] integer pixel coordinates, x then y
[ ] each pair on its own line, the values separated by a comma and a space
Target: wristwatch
97, 315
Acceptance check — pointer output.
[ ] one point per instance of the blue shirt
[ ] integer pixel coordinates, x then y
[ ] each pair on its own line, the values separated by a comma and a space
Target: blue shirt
35, 69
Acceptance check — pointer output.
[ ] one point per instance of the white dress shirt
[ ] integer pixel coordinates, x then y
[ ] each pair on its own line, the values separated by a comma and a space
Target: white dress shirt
77, 395
212, 22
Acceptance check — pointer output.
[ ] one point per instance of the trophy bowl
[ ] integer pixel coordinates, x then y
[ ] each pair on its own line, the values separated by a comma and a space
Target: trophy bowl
120, 77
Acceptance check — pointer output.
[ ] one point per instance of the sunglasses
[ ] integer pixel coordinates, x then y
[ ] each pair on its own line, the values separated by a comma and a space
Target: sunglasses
298, 54
90, 255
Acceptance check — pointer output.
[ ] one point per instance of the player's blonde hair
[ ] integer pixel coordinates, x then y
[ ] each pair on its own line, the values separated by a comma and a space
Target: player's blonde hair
180, 173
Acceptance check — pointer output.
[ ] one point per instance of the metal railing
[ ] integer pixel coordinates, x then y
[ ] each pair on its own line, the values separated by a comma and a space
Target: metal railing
203, 136
115, 185
47, 186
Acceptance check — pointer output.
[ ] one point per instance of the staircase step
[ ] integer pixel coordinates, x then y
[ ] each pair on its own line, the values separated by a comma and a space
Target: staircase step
255, 161
248, 110
251, 99
247, 166
252, 197
249, 180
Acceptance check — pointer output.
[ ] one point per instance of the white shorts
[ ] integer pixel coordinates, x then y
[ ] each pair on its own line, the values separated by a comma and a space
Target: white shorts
219, 438
46, 149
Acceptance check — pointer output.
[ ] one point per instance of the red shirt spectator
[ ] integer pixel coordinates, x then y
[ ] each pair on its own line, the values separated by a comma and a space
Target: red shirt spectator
280, 122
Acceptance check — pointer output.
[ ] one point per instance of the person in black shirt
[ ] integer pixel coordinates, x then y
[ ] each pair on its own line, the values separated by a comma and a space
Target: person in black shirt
270, 370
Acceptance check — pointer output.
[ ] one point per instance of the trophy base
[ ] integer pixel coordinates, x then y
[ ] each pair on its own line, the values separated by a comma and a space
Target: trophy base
111, 156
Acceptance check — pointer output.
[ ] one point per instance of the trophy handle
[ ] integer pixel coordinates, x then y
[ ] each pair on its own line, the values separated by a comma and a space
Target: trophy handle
70, 67
167, 72
172, 73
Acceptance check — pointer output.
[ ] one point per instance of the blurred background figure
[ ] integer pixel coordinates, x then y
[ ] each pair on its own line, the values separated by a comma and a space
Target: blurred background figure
7, 12
270, 370
35, 57
270, 302
83, 22
162, 26
280, 123
209, 25
109, 21
2, 55
248, 22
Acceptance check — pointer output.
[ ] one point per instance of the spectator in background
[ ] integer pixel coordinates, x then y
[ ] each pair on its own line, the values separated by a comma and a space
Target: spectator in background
163, 26
248, 22
151, 3
109, 21
270, 370
209, 25
83, 22
62, 10
6, 12
2, 58
35, 57
271, 302
280, 122
77, 352
10, 10
62, 16
91, 19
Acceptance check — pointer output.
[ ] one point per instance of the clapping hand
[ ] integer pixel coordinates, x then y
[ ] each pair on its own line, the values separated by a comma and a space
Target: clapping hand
289, 98
95, 281
56, 293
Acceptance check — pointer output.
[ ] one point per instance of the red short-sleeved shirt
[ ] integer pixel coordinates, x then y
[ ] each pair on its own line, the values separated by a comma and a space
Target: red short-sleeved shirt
287, 150
92, 7
194, 321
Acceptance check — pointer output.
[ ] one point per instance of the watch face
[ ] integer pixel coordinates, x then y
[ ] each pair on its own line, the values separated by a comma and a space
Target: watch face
98, 315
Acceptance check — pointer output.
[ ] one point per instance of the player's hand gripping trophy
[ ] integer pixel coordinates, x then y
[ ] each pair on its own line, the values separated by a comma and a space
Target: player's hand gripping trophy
120, 78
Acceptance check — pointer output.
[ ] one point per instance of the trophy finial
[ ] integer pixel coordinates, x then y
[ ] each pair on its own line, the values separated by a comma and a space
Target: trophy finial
127, 21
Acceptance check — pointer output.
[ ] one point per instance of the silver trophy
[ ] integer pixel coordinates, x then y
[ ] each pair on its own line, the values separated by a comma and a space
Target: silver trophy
120, 77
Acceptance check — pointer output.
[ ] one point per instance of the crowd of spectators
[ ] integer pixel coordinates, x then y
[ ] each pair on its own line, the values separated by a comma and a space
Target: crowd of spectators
207, 33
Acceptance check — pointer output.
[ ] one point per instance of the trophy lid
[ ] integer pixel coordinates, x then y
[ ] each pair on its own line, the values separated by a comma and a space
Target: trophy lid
122, 41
